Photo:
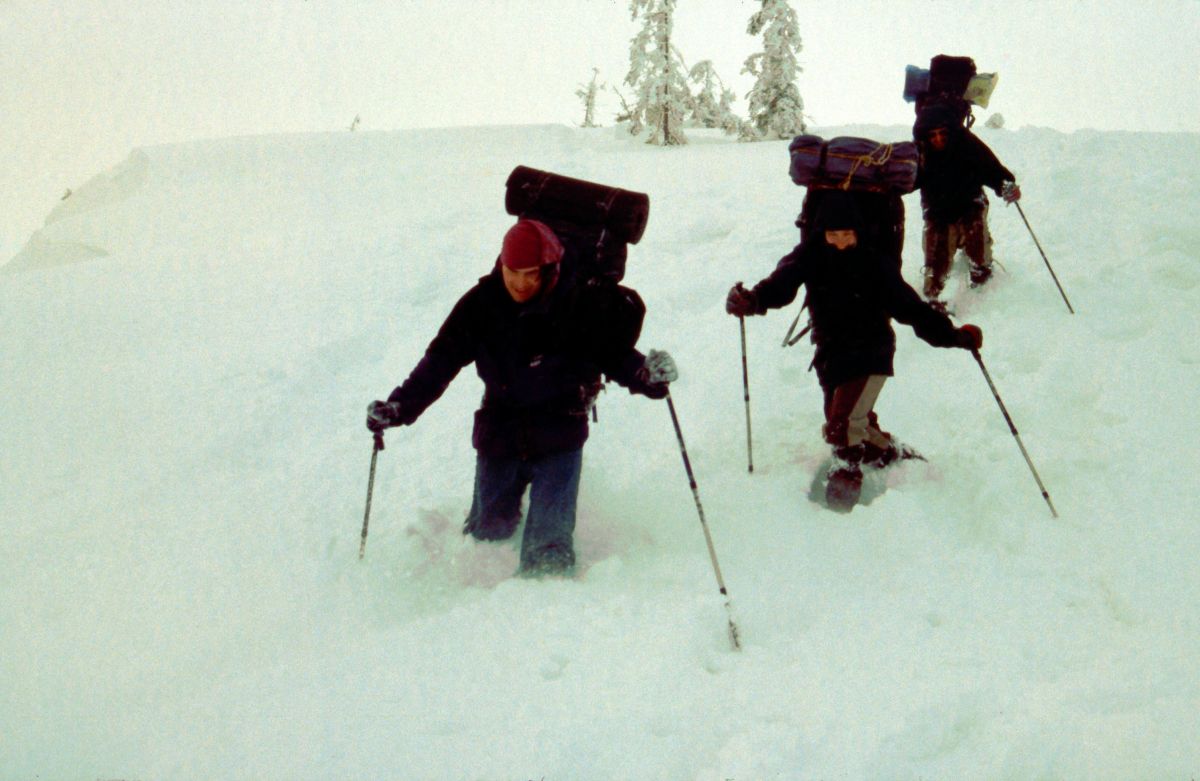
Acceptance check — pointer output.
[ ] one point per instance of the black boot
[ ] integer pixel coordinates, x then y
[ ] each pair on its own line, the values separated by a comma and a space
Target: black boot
878, 457
980, 275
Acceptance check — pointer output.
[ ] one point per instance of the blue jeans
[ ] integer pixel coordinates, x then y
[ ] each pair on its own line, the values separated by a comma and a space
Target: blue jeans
553, 483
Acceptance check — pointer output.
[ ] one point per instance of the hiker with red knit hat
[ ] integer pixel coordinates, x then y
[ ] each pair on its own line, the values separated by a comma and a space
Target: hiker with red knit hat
540, 348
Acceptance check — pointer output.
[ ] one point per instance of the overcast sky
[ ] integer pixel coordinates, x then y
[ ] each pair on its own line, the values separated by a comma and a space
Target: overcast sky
82, 82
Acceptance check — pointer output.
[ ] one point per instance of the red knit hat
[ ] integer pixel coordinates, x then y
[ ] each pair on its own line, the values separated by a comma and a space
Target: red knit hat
530, 244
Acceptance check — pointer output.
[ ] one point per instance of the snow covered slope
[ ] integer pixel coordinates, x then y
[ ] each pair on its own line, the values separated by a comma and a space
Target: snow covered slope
187, 350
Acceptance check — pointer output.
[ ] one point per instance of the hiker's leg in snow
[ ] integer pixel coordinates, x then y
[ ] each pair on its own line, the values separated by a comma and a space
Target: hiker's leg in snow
496, 506
848, 412
938, 251
849, 430
875, 435
977, 243
550, 526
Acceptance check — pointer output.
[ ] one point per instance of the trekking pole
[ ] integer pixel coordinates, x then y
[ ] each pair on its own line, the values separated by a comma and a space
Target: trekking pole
798, 336
1039, 246
787, 338
362, 546
746, 391
1013, 429
712, 552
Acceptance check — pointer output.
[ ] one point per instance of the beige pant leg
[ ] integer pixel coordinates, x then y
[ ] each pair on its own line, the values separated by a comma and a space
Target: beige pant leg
860, 429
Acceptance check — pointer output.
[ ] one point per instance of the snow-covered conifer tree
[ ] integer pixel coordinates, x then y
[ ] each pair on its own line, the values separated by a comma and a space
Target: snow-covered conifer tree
776, 108
587, 93
656, 75
712, 103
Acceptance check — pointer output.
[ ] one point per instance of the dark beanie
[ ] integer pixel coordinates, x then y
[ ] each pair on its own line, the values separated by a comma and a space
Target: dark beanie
934, 115
530, 244
837, 211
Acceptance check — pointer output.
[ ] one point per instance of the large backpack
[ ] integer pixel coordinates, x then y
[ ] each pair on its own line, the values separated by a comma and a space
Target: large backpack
851, 163
596, 224
952, 82
875, 174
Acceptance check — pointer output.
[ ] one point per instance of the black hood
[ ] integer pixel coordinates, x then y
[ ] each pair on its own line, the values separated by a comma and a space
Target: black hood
838, 211
934, 116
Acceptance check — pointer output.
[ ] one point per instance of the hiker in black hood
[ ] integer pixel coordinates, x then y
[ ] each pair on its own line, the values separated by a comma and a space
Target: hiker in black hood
955, 166
853, 292
540, 348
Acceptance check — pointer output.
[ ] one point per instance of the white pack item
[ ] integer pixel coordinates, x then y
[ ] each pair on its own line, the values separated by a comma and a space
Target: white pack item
979, 88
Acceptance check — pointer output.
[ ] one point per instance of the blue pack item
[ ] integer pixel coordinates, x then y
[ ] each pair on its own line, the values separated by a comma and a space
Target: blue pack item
850, 163
916, 82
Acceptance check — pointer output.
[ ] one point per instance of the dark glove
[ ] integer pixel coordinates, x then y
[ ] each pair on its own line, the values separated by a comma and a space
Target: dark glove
970, 337
1010, 192
741, 302
657, 373
383, 415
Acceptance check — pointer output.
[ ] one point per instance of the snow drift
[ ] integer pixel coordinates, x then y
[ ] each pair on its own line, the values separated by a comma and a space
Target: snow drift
188, 347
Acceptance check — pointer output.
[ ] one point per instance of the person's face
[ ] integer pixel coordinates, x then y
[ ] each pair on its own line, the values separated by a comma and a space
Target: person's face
522, 283
938, 138
841, 240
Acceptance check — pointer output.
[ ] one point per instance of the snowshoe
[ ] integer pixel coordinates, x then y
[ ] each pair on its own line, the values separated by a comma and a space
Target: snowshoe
843, 481
880, 458
843, 486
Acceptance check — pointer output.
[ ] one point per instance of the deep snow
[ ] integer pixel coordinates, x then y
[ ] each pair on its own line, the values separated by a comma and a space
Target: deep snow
187, 349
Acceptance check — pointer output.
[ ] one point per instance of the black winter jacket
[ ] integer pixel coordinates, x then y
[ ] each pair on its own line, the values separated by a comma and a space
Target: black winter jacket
540, 363
852, 297
952, 180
